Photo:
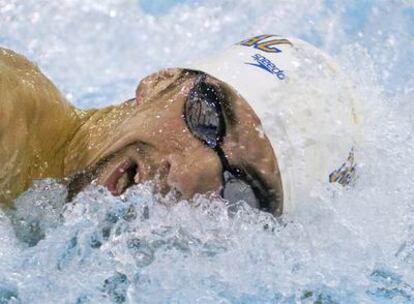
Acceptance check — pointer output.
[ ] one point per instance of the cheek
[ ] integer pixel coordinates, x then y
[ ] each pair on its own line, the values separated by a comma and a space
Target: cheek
162, 125
168, 132
197, 172
173, 136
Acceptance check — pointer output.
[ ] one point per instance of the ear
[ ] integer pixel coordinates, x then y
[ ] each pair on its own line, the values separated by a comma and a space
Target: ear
155, 83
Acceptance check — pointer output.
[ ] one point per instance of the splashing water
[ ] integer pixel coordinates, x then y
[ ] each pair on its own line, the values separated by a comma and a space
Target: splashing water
351, 245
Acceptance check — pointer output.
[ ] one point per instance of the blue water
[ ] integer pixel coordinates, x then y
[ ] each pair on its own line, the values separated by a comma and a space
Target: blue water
340, 246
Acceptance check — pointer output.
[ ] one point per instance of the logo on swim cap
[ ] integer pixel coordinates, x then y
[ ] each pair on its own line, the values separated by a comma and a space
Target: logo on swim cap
267, 65
268, 46
345, 175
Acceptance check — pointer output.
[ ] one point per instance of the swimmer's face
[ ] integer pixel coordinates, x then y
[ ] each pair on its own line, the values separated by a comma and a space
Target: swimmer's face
190, 133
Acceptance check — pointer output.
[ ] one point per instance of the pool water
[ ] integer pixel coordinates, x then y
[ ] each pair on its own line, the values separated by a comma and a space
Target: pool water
342, 245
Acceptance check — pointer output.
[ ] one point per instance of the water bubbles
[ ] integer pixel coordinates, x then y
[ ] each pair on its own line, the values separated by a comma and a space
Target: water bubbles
116, 287
8, 294
38, 210
141, 251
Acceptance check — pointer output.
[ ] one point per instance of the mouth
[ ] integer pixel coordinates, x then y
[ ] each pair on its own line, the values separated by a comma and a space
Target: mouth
120, 176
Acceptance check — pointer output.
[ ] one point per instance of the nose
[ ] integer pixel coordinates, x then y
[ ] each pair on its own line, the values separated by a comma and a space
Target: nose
202, 170
195, 171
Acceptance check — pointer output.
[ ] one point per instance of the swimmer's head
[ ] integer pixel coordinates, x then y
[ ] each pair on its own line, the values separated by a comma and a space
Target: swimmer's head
198, 129
186, 131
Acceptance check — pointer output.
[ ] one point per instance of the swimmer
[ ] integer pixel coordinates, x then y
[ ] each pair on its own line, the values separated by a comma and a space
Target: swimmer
193, 129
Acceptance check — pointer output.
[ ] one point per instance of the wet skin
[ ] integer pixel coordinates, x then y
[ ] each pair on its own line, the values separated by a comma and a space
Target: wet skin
184, 130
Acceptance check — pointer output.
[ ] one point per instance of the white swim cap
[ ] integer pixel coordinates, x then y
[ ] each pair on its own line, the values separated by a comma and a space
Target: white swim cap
305, 105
